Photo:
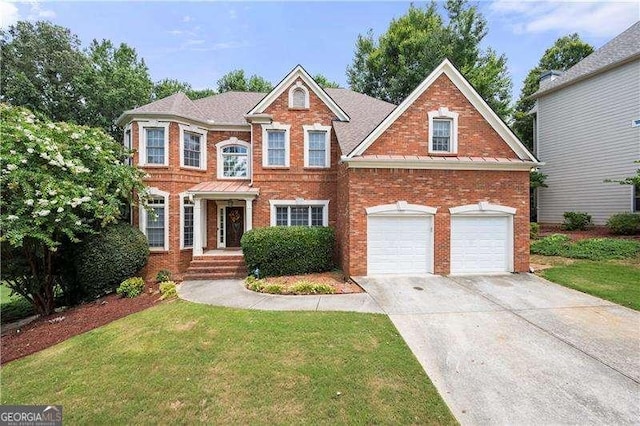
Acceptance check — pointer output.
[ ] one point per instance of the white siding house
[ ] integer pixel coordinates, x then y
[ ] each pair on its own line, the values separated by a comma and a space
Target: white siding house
586, 133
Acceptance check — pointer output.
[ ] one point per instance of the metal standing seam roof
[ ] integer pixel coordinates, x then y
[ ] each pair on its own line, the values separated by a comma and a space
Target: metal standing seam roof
619, 50
223, 187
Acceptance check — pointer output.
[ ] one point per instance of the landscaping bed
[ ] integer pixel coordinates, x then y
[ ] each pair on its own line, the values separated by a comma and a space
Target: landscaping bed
48, 331
319, 283
591, 232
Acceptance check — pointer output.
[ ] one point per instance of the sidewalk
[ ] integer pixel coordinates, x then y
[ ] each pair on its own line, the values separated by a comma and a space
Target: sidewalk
233, 294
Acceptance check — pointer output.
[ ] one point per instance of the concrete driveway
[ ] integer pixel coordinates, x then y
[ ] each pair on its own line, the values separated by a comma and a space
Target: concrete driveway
517, 349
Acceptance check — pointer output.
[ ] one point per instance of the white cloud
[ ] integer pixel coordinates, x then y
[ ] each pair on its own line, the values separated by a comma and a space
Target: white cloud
38, 13
597, 19
187, 18
9, 14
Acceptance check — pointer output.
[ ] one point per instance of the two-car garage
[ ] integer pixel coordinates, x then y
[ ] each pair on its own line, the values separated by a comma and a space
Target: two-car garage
400, 239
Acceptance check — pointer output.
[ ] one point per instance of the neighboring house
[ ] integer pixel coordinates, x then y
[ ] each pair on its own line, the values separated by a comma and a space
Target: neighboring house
438, 184
587, 130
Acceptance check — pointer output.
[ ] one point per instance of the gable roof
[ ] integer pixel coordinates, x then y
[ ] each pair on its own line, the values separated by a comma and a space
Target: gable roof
228, 107
622, 49
177, 104
447, 68
299, 73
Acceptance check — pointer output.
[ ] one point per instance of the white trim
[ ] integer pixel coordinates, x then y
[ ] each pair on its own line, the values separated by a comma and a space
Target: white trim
292, 89
482, 208
142, 221
299, 73
469, 92
400, 208
231, 142
127, 142
142, 141
184, 195
300, 202
437, 164
203, 145
444, 113
317, 127
265, 143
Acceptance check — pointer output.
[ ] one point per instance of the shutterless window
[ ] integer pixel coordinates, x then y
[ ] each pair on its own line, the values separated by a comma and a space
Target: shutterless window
317, 149
298, 98
127, 145
636, 198
299, 215
235, 161
276, 148
441, 135
192, 149
187, 230
155, 145
156, 225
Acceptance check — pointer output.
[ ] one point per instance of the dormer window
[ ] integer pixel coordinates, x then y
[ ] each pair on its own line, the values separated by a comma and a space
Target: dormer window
298, 96
443, 131
233, 159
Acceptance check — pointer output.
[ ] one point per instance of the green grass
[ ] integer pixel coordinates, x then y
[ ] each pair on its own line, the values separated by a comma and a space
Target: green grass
614, 282
187, 363
13, 306
592, 248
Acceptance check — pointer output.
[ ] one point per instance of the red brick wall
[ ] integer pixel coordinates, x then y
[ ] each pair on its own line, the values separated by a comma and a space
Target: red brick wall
409, 134
434, 188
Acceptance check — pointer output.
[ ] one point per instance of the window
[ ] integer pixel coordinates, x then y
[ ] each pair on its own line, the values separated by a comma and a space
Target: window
317, 152
193, 147
443, 131
298, 96
153, 143
127, 143
234, 160
187, 222
636, 198
299, 212
275, 147
155, 225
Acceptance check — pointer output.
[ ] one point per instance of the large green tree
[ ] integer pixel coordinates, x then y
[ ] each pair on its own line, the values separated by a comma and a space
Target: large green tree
236, 80
169, 86
39, 66
113, 80
392, 65
324, 82
565, 53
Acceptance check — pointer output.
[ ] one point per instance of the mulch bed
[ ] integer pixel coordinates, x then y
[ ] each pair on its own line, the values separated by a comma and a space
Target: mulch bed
336, 279
50, 330
592, 232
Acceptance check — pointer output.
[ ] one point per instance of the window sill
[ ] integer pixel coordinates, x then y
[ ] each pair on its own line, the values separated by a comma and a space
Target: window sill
443, 154
158, 250
155, 166
298, 109
193, 169
233, 178
316, 168
275, 167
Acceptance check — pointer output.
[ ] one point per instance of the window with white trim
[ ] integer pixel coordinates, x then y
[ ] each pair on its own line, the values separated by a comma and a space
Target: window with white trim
275, 146
443, 131
155, 223
127, 143
299, 213
193, 147
298, 96
233, 159
187, 222
153, 143
317, 146
636, 198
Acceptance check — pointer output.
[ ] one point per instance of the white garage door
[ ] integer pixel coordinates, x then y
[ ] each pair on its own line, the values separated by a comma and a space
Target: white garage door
399, 245
480, 244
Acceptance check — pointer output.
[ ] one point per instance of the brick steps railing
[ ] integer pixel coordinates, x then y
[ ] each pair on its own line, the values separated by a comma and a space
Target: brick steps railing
216, 268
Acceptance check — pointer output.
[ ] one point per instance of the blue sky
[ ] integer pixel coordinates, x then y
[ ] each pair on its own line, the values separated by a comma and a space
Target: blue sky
198, 42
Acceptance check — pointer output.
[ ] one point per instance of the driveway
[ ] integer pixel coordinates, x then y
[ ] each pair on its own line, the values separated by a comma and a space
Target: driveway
517, 349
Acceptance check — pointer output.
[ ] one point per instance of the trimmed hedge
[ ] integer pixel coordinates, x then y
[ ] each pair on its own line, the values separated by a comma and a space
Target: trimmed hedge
281, 250
104, 260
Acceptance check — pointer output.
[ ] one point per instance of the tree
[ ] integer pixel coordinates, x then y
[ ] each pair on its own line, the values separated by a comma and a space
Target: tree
168, 87
324, 82
58, 182
113, 80
39, 65
565, 53
237, 81
390, 67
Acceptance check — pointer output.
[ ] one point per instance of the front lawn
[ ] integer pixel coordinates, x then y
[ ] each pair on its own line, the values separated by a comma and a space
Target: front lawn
187, 363
615, 282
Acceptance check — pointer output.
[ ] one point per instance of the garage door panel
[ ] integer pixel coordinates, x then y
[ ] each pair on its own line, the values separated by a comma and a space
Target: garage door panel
480, 244
399, 244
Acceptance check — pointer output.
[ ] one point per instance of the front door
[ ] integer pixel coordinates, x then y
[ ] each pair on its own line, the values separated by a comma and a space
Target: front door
234, 226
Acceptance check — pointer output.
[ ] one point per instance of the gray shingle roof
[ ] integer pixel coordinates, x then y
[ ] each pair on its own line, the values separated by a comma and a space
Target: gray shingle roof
177, 104
229, 107
619, 50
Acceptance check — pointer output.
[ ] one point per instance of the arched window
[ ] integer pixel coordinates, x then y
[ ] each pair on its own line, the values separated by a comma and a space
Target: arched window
233, 159
298, 96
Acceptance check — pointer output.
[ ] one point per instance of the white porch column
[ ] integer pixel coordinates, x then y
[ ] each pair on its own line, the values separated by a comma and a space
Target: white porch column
249, 214
197, 227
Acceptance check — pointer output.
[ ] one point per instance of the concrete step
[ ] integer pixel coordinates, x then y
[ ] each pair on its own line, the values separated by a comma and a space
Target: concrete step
218, 268
211, 276
219, 258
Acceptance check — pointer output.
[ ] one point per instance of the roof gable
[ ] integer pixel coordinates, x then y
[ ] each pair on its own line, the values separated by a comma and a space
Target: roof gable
299, 73
177, 104
472, 96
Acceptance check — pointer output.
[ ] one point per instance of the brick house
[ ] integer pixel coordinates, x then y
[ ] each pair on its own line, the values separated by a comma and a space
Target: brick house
437, 184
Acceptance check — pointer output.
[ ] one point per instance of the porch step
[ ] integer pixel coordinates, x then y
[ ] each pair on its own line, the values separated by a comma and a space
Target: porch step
211, 276
216, 268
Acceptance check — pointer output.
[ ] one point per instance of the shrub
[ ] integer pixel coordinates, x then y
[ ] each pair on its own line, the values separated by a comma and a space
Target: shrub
272, 289
553, 245
592, 249
534, 230
163, 275
576, 221
168, 290
624, 224
291, 250
308, 287
131, 287
104, 260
